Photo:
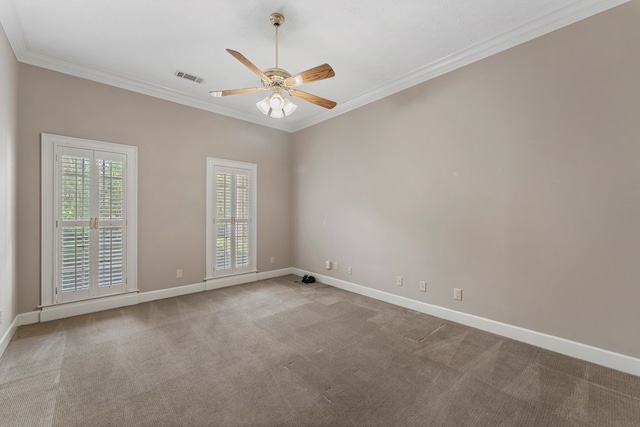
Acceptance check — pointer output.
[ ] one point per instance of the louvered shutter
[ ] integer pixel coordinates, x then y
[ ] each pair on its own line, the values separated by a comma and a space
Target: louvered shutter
233, 228
111, 224
91, 224
224, 239
74, 248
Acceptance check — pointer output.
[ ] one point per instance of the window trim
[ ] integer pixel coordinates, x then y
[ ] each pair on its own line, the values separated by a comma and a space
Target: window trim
49, 146
212, 162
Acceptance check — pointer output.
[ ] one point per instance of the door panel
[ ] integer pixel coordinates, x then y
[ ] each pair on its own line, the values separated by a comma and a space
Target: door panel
91, 236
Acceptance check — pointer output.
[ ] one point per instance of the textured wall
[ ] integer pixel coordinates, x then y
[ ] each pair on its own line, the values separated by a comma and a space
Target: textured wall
8, 179
516, 179
173, 142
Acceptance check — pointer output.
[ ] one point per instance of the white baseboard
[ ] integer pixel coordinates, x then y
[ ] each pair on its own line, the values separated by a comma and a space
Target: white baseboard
19, 320
56, 312
170, 292
240, 279
575, 349
223, 282
28, 318
275, 273
8, 334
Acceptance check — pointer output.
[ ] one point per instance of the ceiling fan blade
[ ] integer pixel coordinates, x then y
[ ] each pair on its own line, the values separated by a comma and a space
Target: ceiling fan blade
314, 74
219, 93
240, 57
314, 99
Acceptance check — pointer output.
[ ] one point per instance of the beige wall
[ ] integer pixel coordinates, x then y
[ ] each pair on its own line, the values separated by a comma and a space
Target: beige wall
8, 143
516, 179
173, 142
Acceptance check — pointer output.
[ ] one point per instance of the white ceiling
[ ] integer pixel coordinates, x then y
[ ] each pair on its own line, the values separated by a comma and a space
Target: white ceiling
375, 47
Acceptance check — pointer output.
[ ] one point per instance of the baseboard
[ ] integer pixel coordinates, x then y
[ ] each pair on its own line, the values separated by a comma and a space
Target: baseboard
223, 282
575, 349
275, 273
19, 320
170, 292
8, 334
240, 279
56, 312
28, 318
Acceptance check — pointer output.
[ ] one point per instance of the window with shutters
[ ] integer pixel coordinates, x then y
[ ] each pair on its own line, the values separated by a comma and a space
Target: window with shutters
88, 219
231, 213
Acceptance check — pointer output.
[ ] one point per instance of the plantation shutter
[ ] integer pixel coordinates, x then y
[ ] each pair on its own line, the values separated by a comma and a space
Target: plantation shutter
242, 219
74, 251
233, 240
110, 224
90, 243
224, 214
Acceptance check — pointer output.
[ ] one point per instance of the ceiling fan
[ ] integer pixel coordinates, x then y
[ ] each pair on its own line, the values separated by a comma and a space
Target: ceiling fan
279, 81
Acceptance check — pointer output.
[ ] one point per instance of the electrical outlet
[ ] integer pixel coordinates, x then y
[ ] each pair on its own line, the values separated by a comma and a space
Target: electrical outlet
349, 271
272, 260
423, 286
179, 273
399, 280
457, 294
327, 265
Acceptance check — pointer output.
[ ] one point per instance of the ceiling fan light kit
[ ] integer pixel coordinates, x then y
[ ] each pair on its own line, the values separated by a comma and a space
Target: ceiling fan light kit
279, 81
276, 106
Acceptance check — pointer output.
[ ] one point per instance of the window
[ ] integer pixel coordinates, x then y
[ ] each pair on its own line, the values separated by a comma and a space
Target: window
231, 213
88, 219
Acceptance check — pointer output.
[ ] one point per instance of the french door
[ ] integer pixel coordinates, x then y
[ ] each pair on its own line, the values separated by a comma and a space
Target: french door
91, 232
87, 254
231, 218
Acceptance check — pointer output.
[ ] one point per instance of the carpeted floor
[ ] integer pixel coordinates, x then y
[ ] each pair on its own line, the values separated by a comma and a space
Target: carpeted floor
282, 353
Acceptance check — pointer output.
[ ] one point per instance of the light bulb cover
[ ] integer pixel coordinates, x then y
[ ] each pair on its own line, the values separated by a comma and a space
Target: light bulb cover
289, 107
276, 101
264, 105
276, 106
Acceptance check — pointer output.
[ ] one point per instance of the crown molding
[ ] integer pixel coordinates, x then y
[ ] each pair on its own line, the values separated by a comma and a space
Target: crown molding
566, 16
12, 28
129, 83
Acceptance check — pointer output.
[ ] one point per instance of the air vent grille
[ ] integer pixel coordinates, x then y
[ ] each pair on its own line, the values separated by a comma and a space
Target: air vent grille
188, 76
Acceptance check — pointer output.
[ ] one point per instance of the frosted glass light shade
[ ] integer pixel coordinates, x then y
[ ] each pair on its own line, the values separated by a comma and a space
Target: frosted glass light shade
276, 102
276, 106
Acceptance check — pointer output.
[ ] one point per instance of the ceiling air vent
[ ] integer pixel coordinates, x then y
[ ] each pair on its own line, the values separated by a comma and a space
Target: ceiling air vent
188, 76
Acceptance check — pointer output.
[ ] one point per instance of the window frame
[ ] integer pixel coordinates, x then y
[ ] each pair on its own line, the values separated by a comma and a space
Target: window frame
212, 163
50, 144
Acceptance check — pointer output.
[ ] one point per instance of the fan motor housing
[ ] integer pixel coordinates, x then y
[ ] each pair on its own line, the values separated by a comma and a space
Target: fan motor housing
277, 76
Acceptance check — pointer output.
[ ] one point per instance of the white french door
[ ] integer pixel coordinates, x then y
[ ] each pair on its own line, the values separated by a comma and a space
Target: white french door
91, 232
231, 218
88, 243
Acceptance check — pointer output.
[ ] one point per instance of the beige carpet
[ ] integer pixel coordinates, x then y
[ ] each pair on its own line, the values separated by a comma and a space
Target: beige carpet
282, 353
